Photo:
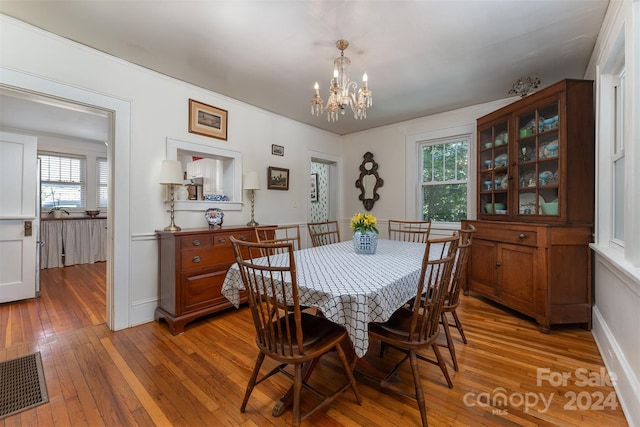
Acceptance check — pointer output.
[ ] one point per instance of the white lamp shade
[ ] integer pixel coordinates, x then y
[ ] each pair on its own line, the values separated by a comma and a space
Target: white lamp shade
171, 172
251, 181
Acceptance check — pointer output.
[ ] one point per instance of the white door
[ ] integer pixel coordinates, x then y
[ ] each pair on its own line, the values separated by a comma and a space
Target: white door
18, 176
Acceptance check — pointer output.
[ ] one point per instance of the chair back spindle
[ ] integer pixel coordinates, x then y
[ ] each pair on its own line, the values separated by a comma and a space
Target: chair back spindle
324, 233
409, 231
433, 283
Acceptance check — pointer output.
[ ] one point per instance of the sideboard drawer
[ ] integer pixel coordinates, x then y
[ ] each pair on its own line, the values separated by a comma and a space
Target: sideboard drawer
198, 258
189, 242
518, 237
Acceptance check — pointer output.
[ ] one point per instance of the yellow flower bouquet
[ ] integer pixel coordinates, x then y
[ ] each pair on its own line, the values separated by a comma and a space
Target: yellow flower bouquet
364, 222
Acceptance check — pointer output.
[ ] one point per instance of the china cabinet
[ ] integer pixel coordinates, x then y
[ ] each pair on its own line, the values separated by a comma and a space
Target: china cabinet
536, 204
193, 265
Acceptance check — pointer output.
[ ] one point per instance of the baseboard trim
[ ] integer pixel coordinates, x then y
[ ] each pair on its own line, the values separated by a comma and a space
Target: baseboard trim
626, 385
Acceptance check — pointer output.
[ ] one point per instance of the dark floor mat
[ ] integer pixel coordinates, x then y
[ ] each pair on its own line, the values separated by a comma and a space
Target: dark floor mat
22, 384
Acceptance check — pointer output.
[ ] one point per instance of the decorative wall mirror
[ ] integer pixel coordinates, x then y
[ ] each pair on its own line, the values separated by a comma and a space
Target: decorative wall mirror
369, 181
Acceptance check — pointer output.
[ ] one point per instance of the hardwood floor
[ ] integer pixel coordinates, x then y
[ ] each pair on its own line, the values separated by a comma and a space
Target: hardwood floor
146, 376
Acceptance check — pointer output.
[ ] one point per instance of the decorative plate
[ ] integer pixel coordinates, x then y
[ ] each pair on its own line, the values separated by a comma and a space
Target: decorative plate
214, 217
501, 160
505, 182
528, 201
549, 150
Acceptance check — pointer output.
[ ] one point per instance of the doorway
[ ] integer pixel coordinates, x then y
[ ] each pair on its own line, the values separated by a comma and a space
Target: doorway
325, 173
119, 263
72, 139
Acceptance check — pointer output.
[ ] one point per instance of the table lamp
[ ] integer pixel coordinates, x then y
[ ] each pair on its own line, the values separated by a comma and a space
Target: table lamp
171, 174
252, 183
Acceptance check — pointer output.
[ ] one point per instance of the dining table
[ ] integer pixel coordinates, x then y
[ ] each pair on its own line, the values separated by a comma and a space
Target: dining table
349, 288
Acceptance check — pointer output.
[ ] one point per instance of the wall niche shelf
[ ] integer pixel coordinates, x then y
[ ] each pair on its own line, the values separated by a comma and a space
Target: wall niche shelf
228, 174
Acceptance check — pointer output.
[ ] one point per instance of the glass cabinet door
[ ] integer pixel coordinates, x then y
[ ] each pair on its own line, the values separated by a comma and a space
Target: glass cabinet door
538, 152
493, 177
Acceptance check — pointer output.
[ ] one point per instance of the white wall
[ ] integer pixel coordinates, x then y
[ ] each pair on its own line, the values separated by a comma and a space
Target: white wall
392, 149
159, 109
616, 313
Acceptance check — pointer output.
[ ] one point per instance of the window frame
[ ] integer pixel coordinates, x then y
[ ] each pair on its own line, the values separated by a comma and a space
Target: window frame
82, 182
618, 154
422, 183
414, 169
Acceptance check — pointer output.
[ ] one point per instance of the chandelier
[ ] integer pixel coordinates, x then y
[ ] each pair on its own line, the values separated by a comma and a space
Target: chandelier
342, 91
524, 86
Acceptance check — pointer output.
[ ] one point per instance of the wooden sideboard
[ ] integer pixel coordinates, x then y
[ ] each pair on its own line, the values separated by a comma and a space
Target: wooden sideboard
540, 270
193, 265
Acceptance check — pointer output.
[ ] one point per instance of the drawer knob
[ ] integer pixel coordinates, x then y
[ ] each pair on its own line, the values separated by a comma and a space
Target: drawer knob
222, 240
498, 264
243, 238
196, 259
196, 243
521, 236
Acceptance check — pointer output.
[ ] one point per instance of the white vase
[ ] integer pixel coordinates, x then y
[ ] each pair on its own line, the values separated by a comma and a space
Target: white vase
365, 243
57, 214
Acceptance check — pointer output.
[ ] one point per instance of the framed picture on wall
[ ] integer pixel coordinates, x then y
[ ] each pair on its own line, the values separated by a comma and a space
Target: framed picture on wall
207, 120
314, 187
277, 178
277, 150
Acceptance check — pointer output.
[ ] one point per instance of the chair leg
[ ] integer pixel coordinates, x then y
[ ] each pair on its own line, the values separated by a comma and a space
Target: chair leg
450, 346
252, 381
459, 326
413, 360
297, 389
383, 347
440, 360
349, 372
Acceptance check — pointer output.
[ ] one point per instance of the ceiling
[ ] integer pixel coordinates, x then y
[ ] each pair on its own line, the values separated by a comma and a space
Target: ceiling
422, 57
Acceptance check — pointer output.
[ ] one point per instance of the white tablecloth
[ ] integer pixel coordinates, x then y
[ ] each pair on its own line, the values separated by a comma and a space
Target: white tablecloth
351, 289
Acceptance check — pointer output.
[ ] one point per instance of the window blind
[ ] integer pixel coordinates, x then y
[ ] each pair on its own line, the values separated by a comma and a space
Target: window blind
102, 178
62, 180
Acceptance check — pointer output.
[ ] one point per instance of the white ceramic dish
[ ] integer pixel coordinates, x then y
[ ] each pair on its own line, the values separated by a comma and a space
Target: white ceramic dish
505, 182
528, 201
501, 160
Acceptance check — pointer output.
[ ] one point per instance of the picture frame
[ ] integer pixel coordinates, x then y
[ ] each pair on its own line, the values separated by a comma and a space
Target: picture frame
314, 187
277, 178
207, 120
277, 150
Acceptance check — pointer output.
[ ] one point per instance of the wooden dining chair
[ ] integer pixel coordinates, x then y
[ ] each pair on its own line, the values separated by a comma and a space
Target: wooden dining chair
452, 296
279, 234
414, 328
290, 337
324, 233
409, 231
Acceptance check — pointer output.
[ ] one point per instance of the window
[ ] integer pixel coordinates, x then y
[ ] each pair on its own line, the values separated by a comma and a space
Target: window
62, 181
102, 180
617, 157
445, 174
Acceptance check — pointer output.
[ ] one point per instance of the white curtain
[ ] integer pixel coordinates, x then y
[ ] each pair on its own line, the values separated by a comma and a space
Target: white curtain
83, 241
51, 251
